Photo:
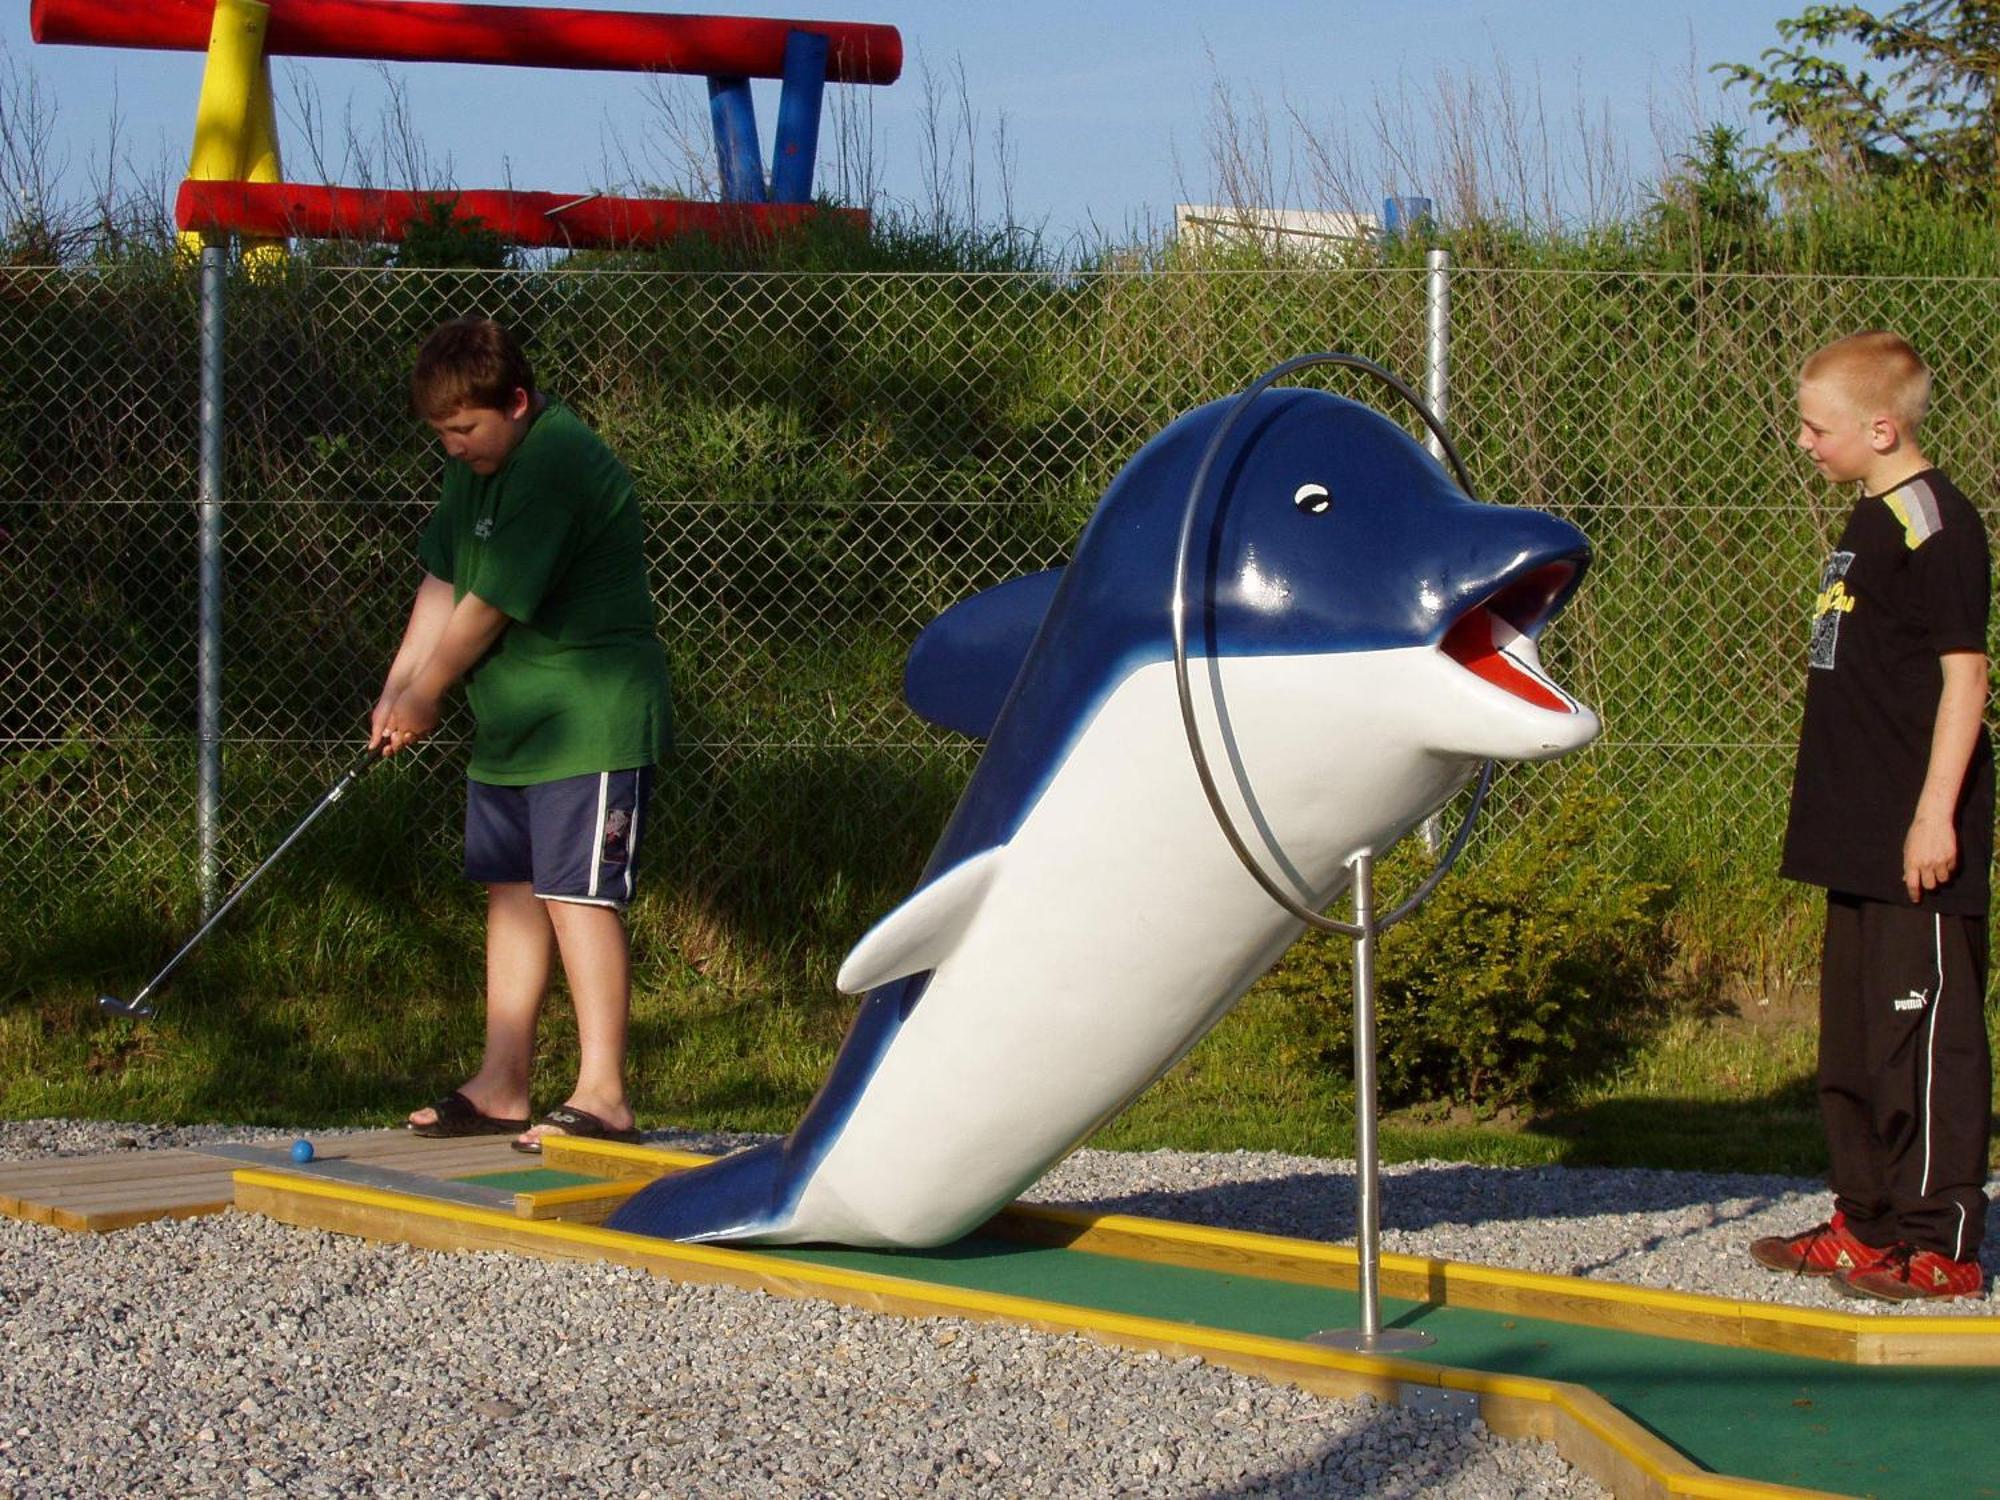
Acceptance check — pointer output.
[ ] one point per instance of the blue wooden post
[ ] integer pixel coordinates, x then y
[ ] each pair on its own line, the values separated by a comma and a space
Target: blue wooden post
738, 161
1401, 216
797, 143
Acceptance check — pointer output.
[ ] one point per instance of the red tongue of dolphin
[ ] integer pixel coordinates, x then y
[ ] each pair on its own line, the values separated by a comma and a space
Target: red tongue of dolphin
1473, 645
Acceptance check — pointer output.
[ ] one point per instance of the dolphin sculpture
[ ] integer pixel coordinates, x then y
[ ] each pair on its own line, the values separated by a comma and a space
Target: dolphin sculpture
1361, 636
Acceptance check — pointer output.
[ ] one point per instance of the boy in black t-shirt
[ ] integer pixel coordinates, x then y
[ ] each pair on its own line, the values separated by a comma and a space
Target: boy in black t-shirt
1892, 812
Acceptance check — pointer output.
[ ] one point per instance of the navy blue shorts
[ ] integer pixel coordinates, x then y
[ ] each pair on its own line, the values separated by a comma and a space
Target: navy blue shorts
573, 840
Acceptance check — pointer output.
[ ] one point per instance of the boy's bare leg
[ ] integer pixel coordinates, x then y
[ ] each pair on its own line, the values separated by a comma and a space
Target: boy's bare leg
520, 945
598, 964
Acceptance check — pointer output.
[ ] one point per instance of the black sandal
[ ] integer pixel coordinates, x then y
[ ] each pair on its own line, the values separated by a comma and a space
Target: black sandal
458, 1115
577, 1122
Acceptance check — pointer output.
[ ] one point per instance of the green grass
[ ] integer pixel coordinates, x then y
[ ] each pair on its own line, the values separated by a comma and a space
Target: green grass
352, 994
350, 1041
346, 989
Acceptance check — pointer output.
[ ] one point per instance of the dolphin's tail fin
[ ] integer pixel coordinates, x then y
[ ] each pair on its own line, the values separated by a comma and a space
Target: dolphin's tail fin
736, 1198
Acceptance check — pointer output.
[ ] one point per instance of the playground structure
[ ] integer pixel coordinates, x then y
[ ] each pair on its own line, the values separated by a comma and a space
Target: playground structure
235, 174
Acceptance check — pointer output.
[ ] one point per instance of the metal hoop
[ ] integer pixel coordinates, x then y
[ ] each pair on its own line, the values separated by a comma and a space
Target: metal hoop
1196, 487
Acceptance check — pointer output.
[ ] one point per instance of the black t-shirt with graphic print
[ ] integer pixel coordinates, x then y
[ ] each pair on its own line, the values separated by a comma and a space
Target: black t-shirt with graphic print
1907, 582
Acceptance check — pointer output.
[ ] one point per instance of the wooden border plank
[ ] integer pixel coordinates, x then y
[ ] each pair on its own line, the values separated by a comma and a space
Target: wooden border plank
110, 1166
1841, 1337
93, 1199
1606, 1444
580, 1203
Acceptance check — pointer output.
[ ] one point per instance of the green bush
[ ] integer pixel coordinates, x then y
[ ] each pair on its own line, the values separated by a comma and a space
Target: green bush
1517, 976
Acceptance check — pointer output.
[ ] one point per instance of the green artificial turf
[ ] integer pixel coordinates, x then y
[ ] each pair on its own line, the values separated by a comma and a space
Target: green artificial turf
1895, 1433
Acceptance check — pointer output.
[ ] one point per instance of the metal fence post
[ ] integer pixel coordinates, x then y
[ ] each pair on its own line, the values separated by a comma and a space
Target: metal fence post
1437, 343
208, 670
1437, 396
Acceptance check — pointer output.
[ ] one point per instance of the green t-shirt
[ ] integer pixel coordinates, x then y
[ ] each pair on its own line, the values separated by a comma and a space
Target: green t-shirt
577, 682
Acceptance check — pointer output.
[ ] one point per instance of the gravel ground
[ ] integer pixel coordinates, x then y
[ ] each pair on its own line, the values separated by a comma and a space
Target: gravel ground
229, 1354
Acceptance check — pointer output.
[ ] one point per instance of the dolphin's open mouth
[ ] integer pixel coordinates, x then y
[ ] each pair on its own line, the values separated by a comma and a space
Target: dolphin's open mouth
1494, 639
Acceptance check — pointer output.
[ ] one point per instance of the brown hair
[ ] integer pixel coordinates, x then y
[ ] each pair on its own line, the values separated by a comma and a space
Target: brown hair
1878, 373
468, 362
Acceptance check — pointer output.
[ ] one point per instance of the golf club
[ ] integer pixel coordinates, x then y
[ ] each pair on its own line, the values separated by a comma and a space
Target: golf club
137, 1005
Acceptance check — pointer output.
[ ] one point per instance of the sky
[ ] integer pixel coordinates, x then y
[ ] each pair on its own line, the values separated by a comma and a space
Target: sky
1102, 109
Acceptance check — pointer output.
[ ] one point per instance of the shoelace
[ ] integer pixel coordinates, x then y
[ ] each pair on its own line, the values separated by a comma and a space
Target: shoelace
1896, 1259
1804, 1241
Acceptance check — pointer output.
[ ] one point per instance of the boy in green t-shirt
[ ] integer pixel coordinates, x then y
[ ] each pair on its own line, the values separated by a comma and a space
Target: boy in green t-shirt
535, 592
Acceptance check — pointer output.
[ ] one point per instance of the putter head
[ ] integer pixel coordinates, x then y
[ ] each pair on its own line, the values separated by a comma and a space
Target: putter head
114, 1006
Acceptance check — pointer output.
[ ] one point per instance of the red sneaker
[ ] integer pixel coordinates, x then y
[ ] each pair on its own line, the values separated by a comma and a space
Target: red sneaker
1906, 1274
1823, 1250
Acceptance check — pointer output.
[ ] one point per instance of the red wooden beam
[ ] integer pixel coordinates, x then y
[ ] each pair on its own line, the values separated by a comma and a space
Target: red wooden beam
527, 36
278, 210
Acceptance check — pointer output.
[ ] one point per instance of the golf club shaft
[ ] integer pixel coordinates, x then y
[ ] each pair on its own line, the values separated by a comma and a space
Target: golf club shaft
333, 795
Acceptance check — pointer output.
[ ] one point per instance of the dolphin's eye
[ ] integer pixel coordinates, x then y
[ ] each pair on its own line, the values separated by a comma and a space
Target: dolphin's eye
1313, 499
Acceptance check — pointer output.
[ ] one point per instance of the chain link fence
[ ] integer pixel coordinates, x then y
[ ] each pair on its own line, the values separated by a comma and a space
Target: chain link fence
827, 461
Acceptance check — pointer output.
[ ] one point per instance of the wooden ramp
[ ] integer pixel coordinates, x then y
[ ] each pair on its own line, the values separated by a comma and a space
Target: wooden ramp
116, 1189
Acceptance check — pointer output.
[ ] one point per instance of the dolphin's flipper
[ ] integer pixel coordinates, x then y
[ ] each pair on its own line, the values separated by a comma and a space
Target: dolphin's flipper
964, 663
918, 934
730, 1199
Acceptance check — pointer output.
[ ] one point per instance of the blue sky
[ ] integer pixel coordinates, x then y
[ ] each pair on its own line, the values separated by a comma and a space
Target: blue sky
1105, 102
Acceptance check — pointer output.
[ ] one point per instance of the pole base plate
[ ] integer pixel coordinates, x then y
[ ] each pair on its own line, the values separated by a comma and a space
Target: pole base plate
1387, 1341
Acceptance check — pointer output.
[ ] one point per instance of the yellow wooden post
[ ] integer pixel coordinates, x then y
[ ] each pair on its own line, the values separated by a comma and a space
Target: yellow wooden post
235, 126
261, 164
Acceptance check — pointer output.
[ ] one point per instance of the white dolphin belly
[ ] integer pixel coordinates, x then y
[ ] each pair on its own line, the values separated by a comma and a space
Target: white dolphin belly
1118, 928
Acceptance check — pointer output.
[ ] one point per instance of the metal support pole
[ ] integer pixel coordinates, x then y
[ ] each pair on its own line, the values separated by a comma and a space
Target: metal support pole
1437, 344
208, 659
1437, 395
1371, 1337
1367, 1153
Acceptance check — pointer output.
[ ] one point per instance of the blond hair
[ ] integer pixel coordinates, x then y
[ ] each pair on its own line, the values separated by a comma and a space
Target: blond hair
1877, 373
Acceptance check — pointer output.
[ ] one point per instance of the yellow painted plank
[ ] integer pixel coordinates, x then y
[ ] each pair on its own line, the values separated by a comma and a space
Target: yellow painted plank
584, 1203
1926, 1341
1823, 1334
571, 1153
1845, 1337
130, 1186
1606, 1444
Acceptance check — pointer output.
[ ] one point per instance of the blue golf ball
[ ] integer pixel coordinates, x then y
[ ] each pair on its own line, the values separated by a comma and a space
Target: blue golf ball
302, 1151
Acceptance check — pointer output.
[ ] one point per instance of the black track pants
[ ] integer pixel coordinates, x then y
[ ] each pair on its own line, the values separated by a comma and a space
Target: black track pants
1905, 1074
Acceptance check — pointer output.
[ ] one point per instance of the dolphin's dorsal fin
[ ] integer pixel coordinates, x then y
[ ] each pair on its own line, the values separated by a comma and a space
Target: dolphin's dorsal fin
965, 661
917, 935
